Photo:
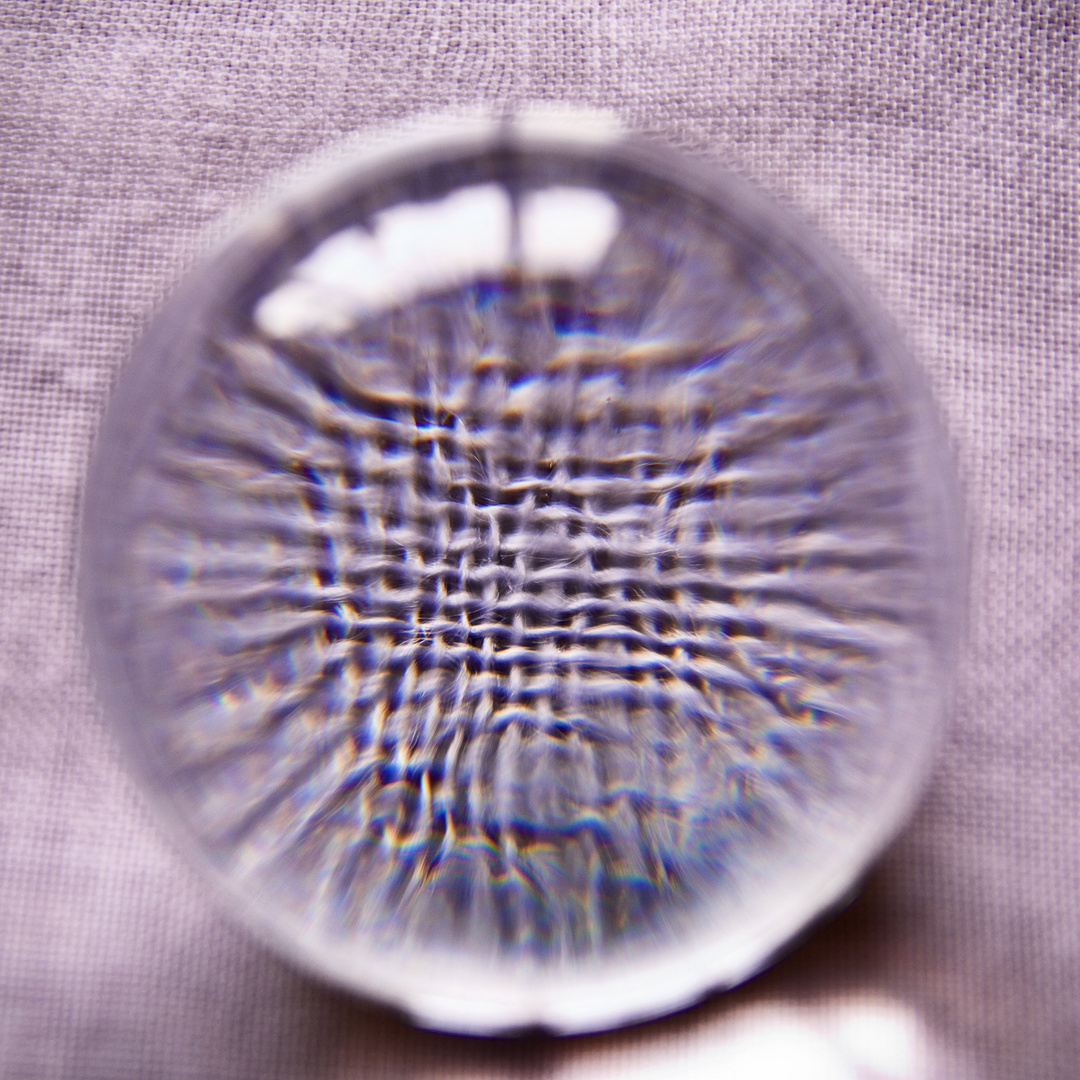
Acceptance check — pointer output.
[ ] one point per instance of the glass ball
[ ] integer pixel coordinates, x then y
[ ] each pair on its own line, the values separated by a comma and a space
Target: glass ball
524, 569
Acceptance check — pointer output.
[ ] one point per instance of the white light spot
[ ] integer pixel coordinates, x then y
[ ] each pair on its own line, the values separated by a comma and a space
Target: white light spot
779, 1050
414, 248
567, 230
569, 123
436, 245
883, 1039
839, 1040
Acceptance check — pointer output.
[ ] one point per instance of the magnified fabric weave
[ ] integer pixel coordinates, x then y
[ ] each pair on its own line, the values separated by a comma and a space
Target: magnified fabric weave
535, 561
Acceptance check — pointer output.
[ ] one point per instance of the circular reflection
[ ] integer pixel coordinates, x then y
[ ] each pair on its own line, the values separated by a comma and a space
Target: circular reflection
522, 570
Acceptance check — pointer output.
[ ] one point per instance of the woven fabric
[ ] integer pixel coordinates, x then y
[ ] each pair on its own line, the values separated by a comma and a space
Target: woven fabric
938, 146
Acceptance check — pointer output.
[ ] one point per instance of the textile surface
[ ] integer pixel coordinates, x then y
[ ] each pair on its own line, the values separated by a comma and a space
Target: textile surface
936, 145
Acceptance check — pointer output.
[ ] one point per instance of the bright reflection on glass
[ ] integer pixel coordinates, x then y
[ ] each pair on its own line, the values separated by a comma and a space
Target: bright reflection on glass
567, 231
414, 248
419, 248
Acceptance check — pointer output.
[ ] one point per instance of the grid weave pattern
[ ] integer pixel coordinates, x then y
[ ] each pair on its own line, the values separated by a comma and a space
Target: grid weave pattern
564, 632
935, 143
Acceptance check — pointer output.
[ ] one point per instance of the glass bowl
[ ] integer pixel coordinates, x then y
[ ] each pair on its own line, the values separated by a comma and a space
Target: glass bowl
524, 569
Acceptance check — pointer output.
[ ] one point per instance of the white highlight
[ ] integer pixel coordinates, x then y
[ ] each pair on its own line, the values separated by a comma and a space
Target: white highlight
414, 248
566, 230
884, 1039
418, 248
775, 1049
563, 123
849, 1039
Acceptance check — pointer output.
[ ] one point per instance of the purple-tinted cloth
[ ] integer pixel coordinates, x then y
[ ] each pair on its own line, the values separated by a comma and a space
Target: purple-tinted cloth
936, 145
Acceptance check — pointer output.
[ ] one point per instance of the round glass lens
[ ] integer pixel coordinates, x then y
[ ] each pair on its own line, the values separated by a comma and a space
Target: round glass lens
524, 571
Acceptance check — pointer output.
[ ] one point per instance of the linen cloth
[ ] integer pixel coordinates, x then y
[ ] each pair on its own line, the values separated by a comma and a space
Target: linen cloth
937, 145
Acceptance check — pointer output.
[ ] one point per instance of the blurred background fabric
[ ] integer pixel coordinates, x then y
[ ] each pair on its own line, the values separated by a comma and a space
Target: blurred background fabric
936, 145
